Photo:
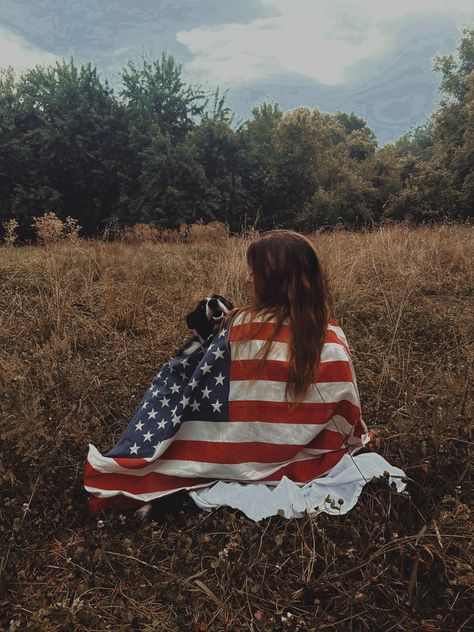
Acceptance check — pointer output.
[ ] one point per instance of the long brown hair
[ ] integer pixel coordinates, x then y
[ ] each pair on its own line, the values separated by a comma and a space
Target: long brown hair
290, 285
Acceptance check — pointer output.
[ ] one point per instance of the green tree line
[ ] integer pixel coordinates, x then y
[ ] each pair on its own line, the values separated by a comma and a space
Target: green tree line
162, 152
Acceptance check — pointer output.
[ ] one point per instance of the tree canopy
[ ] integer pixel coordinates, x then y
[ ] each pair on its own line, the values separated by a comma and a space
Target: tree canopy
165, 153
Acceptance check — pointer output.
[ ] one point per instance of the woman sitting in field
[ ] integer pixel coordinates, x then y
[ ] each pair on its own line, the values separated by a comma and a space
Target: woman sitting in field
265, 418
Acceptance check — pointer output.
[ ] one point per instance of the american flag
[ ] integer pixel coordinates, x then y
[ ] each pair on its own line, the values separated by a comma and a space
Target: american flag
213, 416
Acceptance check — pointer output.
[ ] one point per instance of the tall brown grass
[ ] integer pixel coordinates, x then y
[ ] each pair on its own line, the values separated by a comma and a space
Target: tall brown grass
84, 325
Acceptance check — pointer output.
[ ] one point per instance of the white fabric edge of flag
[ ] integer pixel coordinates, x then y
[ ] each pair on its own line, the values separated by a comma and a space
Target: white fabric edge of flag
345, 481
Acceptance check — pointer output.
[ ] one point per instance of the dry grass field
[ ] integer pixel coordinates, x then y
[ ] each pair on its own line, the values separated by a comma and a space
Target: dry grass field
85, 325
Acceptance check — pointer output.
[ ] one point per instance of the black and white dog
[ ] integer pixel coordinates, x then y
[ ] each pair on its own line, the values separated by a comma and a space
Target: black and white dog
205, 320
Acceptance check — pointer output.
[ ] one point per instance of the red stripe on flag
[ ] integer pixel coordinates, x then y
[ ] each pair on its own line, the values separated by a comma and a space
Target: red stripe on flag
259, 331
231, 452
307, 470
148, 483
327, 440
131, 463
275, 370
97, 505
280, 412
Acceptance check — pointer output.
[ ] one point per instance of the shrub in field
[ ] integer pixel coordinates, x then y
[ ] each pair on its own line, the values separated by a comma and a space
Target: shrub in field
50, 228
10, 227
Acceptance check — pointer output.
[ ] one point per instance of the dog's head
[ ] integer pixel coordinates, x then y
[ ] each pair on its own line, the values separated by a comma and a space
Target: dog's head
206, 318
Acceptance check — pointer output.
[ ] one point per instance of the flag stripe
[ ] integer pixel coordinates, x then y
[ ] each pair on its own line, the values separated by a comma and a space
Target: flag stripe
134, 484
245, 451
263, 331
308, 469
333, 371
279, 351
279, 412
251, 470
256, 431
269, 391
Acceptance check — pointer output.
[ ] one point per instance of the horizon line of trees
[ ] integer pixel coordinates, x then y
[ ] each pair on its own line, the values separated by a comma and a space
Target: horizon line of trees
164, 153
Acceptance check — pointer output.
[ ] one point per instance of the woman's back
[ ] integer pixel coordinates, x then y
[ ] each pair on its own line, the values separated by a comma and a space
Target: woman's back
325, 423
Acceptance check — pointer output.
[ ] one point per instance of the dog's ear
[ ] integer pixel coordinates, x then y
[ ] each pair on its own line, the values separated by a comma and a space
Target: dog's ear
191, 320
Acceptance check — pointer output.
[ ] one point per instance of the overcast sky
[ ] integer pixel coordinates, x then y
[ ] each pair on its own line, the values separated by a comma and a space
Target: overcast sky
372, 57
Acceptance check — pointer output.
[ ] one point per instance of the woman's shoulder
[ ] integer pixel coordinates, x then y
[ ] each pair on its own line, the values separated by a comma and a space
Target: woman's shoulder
246, 315
248, 324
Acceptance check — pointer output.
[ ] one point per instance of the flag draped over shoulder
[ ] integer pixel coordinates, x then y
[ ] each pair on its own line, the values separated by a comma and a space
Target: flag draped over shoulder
217, 415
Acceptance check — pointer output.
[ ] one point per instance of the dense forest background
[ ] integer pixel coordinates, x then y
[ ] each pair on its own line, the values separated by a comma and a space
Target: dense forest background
164, 153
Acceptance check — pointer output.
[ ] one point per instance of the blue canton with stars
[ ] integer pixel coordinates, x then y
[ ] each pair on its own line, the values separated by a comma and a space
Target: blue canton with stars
194, 387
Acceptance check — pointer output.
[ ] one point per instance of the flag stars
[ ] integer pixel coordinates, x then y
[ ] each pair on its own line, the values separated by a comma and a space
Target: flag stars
206, 392
220, 379
177, 394
217, 406
223, 333
219, 353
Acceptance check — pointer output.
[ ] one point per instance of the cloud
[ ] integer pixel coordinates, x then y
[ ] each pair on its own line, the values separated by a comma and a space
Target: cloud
317, 39
17, 52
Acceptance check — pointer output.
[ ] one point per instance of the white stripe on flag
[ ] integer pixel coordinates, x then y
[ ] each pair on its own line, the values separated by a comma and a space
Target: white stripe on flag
259, 431
331, 351
272, 391
339, 333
